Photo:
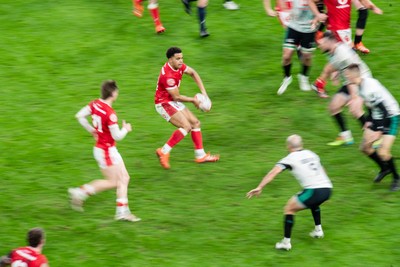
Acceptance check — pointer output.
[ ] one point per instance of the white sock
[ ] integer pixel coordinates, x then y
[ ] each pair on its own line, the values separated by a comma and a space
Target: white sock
199, 153
346, 134
166, 149
286, 240
122, 206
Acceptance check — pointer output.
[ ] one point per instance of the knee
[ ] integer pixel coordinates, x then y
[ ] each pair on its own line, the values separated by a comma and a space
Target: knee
196, 124
384, 154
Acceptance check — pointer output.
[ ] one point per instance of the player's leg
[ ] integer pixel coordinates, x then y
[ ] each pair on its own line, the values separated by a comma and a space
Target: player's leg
202, 12
307, 48
137, 8
123, 212
314, 203
316, 213
360, 26
230, 5
155, 13
369, 137
197, 137
292, 206
105, 159
339, 100
289, 46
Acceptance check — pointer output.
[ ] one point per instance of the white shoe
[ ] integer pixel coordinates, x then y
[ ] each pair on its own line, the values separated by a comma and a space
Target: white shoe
230, 5
304, 84
127, 217
283, 245
284, 85
76, 199
317, 234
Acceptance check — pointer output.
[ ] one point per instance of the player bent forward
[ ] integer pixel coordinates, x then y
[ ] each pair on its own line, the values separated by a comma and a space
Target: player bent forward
106, 131
168, 103
317, 188
383, 122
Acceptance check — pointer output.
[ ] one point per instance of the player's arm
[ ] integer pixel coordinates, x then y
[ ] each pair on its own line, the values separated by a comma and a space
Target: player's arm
268, 8
119, 134
319, 17
5, 260
320, 82
368, 4
81, 117
266, 180
196, 77
176, 96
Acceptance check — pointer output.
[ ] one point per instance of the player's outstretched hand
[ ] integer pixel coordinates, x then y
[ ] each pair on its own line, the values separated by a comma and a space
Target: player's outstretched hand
127, 126
377, 10
255, 192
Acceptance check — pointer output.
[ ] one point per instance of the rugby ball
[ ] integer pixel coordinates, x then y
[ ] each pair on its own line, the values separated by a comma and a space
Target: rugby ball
205, 102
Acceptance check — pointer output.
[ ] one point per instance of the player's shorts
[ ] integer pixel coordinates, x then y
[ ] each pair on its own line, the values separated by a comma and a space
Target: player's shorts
313, 197
167, 110
107, 157
388, 126
294, 38
284, 18
344, 36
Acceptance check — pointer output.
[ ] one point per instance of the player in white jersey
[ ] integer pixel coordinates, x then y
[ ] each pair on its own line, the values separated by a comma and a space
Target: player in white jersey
300, 32
317, 187
383, 122
340, 57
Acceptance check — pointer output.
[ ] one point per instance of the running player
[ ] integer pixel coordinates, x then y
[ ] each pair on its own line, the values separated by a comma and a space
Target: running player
154, 10
168, 103
106, 131
306, 167
383, 122
340, 57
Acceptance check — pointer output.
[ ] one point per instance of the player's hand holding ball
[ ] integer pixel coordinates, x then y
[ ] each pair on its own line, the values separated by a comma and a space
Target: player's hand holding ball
204, 102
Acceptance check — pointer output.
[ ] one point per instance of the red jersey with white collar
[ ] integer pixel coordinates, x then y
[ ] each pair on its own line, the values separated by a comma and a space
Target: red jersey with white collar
168, 79
26, 256
339, 12
103, 116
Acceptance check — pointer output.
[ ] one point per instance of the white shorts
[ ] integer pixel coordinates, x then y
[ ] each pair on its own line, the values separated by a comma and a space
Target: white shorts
344, 36
167, 110
107, 157
284, 18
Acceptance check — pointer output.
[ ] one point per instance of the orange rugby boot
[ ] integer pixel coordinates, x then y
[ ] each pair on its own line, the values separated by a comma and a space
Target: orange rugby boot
160, 29
361, 48
164, 159
138, 9
208, 158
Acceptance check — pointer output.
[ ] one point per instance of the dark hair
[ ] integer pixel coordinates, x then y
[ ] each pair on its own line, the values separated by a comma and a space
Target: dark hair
330, 35
35, 237
172, 51
107, 88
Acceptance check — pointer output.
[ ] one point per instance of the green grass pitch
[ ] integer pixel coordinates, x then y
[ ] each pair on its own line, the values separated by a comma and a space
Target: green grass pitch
54, 56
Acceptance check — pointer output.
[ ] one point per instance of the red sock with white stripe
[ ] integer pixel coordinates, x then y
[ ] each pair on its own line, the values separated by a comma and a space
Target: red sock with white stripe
122, 206
197, 138
175, 138
155, 13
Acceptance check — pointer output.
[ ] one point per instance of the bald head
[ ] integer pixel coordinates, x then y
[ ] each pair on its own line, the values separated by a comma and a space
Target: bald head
294, 142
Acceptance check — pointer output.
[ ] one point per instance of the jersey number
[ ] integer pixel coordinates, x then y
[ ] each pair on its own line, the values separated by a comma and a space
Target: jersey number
96, 120
314, 167
19, 263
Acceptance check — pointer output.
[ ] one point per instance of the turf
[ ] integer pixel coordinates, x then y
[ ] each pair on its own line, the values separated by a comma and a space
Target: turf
55, 54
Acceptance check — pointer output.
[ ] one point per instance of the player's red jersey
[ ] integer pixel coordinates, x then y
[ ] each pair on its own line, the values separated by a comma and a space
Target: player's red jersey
103, 116
284, 5
338, 14
27, 257
169, 79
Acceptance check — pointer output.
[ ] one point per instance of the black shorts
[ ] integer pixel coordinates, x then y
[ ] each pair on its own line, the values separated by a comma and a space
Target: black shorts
294, 38
343, 90
388, 126
313, 197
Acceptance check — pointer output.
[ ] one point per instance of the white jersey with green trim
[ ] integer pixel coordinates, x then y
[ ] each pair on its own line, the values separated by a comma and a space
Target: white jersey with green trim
306, 167
374, 93
301, 17
344, 56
